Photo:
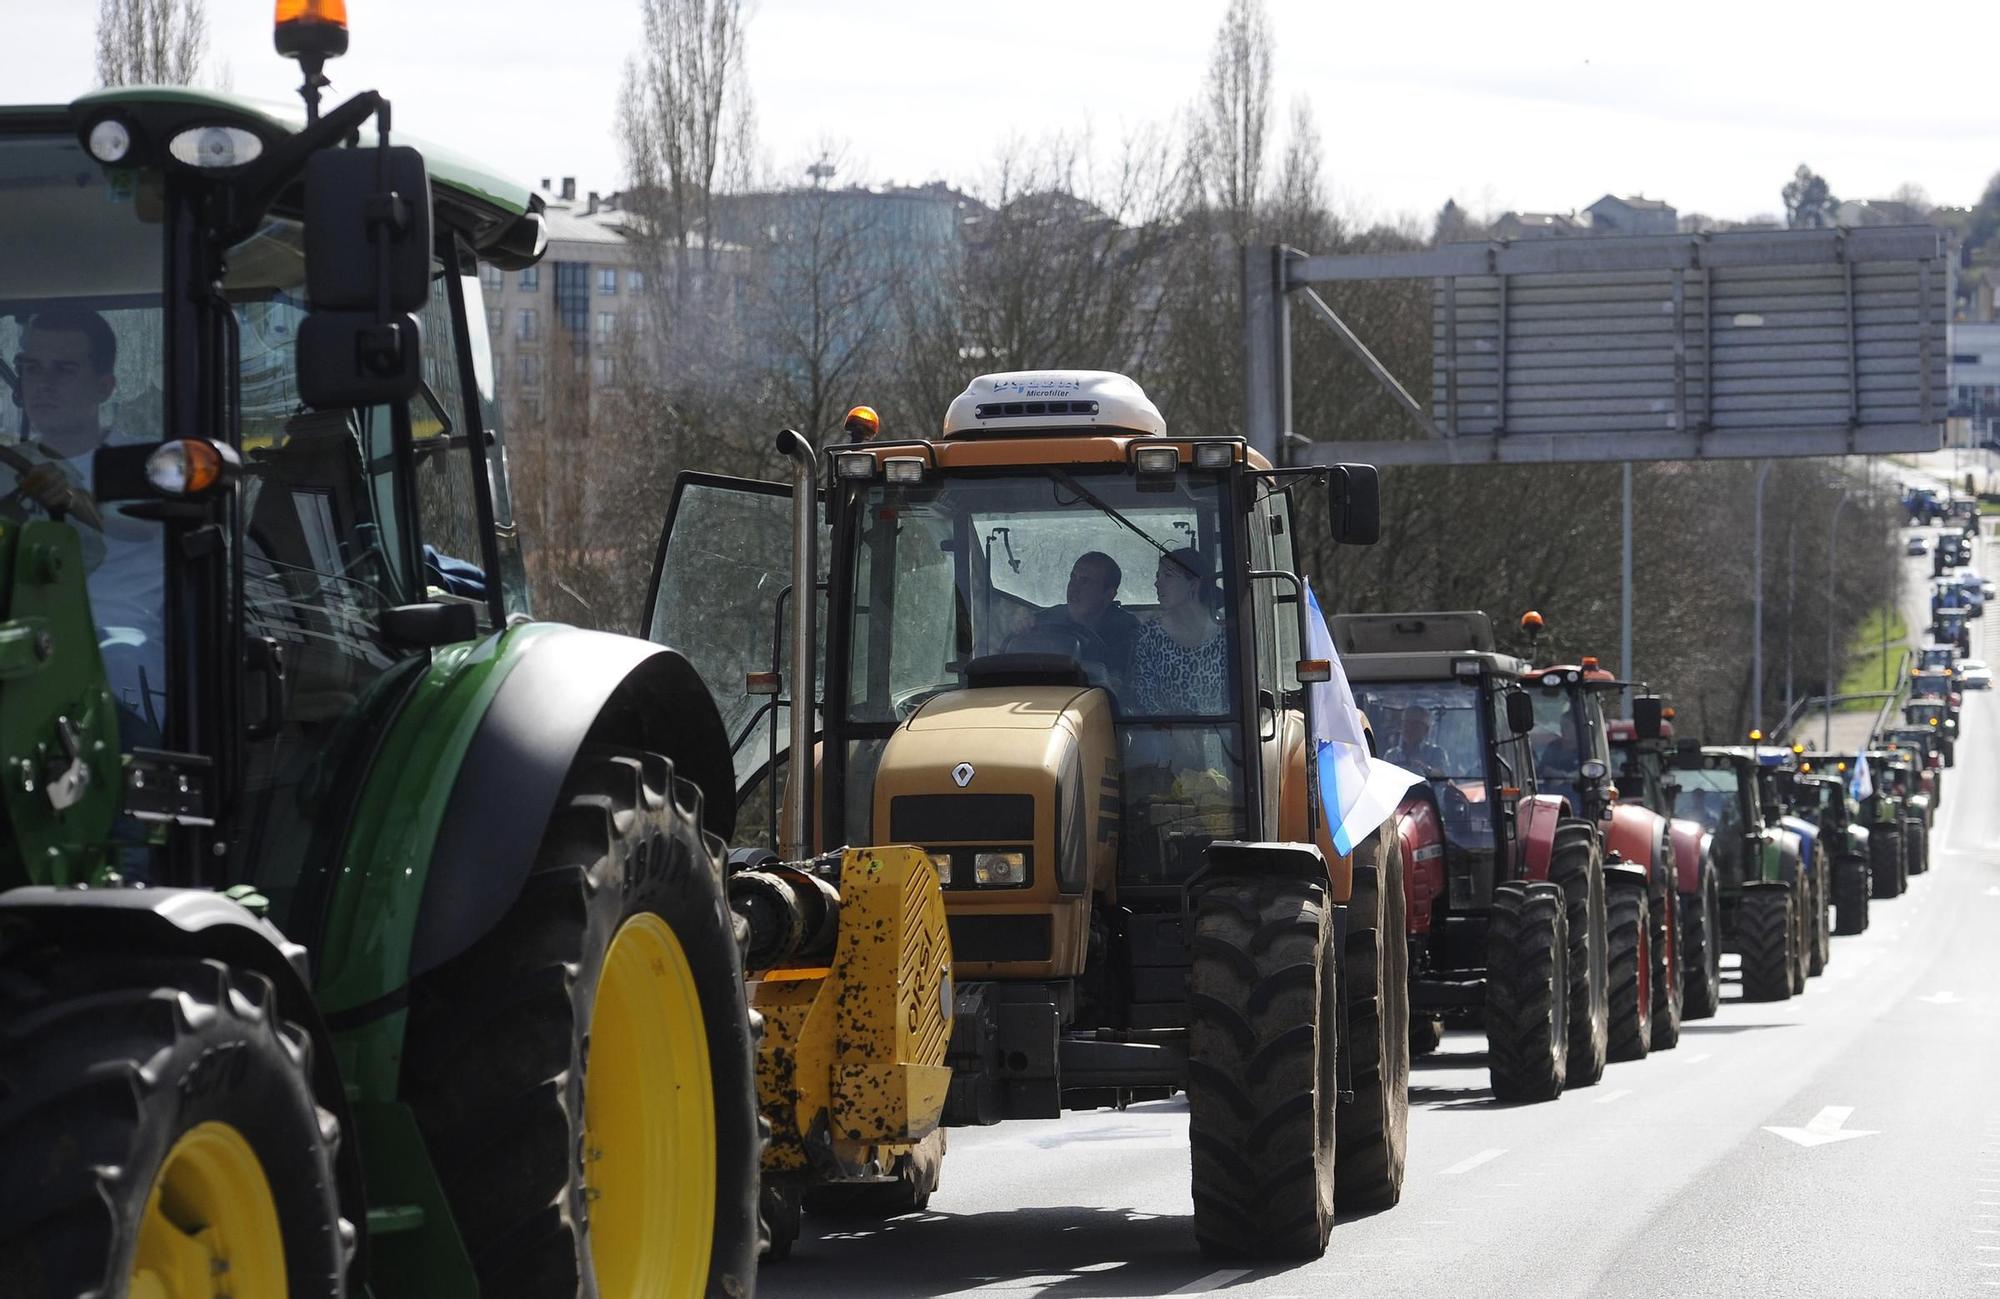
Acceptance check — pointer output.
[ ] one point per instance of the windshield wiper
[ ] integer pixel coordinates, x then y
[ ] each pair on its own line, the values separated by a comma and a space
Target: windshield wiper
1085, 493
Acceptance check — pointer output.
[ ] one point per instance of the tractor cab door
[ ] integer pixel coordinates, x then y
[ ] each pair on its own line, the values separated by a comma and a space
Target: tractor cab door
721, 594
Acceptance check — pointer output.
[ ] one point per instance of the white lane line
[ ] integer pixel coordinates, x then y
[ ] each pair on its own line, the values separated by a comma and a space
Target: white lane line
1467, 1165
1618, 1095
1213, 1281
1696, 1059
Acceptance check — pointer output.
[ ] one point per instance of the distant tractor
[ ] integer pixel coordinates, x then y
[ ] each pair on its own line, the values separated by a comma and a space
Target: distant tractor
1815, 792
1640, 752
1770, 899
1508, 905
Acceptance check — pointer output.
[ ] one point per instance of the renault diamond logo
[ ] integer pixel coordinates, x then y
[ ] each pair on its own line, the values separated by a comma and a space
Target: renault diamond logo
961, 775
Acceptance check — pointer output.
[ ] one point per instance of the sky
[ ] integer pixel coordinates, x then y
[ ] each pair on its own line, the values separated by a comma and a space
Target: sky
1708, 105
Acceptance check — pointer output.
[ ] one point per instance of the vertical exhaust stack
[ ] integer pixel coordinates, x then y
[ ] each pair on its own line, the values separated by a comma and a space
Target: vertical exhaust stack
805, 598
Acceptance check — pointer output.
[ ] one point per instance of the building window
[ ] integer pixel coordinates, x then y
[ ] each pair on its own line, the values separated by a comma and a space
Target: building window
531, 370
531, 325
606, 322
492, 279
494, 318
531, 410
635, 281
600, 367
573, 296
1965, 358
531, 279
607, 280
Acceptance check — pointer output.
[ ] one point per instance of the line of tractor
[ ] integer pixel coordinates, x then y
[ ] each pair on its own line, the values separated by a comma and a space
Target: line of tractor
362, 934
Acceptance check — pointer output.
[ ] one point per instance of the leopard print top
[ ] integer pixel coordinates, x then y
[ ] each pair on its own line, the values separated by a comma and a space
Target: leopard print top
1170, 678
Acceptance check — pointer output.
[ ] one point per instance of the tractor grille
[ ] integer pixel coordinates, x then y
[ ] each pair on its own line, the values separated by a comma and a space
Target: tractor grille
1001, 938
962, 818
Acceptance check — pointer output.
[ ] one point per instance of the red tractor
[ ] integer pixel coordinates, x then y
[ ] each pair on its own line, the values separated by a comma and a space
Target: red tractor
1506, 882
1573, 758
1640, 749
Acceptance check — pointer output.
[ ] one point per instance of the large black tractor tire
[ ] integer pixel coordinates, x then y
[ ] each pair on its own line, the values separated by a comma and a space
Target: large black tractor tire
1426, 1034
1629, 941
912, 1180
1916, 845
1850, 895
1819, 917
138, 1096
1576, 865
1372, 1130
1263, 1076
1801, 891
503, 1041
1885, 861
1765, 933
1527, 991
1668, 998
1701, 964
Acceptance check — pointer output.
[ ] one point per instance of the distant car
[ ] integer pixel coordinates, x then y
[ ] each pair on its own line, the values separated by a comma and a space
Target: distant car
1973, 674
1916, 546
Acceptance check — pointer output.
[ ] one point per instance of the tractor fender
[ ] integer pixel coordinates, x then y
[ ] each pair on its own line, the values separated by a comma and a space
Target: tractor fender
1535, 819
1639, 835
1422, 836
1792, 853
201, 924
571, 685
1692, 845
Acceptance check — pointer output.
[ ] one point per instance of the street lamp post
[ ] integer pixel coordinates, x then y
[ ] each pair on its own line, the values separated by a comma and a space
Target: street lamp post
1757, 600
1832, 558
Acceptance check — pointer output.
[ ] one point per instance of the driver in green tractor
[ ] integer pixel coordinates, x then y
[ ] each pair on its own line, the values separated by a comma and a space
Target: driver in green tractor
433, 988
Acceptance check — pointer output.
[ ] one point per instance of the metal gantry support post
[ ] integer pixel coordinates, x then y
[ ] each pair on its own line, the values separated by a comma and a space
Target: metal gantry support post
1625, 578
1832, 557
1267, 349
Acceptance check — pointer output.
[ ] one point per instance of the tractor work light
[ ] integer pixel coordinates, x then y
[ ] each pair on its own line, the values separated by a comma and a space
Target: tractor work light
762, 683
1156, 462
190, 467
1000, 868
1552, 679
903, 469
1465, 667
941, 863
1311, 672
215, 148
109, 141
854, 464
1213, 455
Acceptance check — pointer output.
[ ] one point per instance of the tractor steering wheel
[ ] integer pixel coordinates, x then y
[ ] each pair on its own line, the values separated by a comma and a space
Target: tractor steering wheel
20, 464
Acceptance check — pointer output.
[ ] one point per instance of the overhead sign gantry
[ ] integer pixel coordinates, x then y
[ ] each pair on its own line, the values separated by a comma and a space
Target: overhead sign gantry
1622, 348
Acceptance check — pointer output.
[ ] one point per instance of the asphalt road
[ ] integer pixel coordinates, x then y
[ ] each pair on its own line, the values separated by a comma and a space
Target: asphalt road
1665, 1179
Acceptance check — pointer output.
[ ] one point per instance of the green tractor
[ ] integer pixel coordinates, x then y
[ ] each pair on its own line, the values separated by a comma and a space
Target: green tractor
357, 933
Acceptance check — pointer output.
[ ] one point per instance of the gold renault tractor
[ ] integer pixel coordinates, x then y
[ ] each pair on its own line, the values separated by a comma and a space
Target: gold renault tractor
1058, 652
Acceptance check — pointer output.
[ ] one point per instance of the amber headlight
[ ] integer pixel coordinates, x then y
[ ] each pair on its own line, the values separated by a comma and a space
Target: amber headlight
1000, 868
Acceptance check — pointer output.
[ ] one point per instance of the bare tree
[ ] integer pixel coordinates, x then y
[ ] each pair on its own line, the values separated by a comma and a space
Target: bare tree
1234, 113
150, 42
684, 118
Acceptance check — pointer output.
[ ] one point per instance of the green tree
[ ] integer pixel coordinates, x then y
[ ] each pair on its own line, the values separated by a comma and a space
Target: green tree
1809, 201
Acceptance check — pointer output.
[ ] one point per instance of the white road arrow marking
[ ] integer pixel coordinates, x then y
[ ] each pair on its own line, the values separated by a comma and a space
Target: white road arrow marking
1945, 998
1824, 1127
1467, 1165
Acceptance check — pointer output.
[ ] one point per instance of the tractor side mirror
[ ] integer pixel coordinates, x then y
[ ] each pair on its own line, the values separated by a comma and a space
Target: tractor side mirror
368, 271
1354, 504
1646, 717
1520, 712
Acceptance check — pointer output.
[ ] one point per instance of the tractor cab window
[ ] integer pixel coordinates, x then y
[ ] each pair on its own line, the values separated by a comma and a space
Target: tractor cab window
1433, 728
1712, 796
1060, 570
81, 345
1568, 730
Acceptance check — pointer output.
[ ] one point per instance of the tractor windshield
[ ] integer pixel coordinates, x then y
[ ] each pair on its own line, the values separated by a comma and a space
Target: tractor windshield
1434, 728
1083, 570
81, 339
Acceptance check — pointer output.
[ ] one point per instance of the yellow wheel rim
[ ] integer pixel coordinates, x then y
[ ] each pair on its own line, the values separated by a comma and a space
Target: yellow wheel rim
649, 1120
210, 1227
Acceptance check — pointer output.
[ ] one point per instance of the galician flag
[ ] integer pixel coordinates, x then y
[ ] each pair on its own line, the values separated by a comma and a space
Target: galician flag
1357, 790
1860, 784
